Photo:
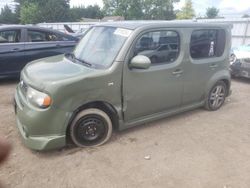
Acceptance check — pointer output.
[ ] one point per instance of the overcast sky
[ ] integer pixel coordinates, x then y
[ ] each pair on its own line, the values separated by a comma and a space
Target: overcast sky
228, 8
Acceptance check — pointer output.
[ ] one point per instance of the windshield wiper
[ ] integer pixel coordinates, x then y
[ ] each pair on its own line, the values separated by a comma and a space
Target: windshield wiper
84, 62
80, 60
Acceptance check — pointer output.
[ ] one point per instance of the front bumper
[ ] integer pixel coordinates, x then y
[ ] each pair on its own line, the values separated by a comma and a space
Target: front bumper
40, 142
40, 129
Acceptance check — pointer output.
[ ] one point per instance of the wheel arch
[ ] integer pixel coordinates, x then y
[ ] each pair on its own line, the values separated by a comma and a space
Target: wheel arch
101, 105
219, 76
228, 84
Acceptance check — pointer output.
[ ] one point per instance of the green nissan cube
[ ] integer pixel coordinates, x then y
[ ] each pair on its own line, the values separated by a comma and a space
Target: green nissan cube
122, 74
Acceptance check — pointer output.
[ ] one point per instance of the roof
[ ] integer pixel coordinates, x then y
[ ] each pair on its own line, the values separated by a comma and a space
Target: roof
138, 24
28, 27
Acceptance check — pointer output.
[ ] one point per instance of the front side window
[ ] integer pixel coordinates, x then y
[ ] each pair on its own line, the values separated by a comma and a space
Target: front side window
161, 47
207, 43
10, 36
41, 36
100, 46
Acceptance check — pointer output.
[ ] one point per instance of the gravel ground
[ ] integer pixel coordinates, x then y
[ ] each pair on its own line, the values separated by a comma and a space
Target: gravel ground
191, 150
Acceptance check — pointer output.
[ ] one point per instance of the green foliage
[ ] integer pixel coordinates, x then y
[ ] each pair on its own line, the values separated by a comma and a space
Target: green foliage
55, 11
140, 9
159, 9
7, 16
30, 13
77, 13
35, 11
212, 12
187, 11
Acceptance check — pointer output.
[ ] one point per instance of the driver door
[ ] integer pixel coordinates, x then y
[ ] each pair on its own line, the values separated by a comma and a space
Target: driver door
157, 89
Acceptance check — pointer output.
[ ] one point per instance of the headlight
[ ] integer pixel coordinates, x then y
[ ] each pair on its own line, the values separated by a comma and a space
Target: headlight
38, 98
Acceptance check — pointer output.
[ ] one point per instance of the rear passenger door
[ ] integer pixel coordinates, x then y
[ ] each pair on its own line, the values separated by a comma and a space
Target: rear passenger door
40, 44
11, 51
206, 57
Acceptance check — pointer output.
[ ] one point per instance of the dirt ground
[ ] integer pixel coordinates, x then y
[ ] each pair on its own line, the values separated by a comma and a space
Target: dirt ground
191, 150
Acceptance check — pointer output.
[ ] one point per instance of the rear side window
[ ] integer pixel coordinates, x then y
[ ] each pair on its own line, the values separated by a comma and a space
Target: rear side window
10, 36
41, 36
161, 47
207, 43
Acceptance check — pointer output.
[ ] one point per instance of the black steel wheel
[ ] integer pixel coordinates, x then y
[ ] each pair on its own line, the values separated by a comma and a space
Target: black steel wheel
91, 127
216, 96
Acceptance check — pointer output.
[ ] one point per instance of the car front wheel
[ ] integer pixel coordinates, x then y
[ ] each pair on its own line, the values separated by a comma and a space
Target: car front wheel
91, 127
216, 96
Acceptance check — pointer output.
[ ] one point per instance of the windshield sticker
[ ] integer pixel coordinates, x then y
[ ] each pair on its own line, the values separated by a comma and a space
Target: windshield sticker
122, 32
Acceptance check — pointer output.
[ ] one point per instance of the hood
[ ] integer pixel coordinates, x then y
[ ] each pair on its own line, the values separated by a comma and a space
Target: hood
53, 69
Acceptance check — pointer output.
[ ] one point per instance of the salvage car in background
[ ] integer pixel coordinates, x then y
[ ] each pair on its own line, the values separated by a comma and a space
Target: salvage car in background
22, 44
240, 61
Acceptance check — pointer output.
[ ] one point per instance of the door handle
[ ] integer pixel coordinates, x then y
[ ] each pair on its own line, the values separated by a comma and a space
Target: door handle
178, 71
213, 66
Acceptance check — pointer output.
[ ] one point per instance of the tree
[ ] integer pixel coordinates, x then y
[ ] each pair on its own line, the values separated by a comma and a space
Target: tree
35, 11
187, 11
212, 12
140, 9
159, 9
55, 10
7, 16
117, 7
30, 13
77, 13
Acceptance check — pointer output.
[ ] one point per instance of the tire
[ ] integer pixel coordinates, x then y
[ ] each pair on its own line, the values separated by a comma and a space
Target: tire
216, 96
154, 60
91, 127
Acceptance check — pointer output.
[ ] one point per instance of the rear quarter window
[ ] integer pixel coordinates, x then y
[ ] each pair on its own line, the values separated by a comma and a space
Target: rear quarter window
207, 43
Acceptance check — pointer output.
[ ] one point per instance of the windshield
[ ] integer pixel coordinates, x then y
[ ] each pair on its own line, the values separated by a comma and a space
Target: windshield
100, 45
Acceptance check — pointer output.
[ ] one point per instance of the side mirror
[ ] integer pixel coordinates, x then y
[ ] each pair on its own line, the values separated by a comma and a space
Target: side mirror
140, 62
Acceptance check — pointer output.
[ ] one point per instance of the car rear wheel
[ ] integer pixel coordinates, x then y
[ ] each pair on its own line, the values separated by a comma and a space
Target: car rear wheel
216, 96
91, 127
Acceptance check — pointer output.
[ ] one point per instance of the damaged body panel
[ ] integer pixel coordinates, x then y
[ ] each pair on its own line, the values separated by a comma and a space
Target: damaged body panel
109, 82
